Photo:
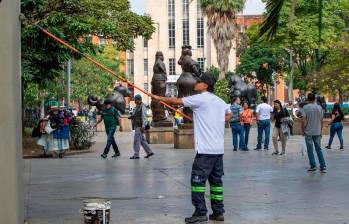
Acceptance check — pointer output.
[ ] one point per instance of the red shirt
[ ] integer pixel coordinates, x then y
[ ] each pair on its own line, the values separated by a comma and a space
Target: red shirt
246, 116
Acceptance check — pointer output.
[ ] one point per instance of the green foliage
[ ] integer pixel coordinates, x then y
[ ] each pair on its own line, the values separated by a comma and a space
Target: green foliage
31, 95
333, 78
214, 71
223, 5
82, 135
222, 90
88, 79
309, 42
262, 60
73, 21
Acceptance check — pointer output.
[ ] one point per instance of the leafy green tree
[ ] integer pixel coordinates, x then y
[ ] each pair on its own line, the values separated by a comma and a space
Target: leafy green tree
221, 23
263, 61
333, 78
74, 21
88, 79
306, 29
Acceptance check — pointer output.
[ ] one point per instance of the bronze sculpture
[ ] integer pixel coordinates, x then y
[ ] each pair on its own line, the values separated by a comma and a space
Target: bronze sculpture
187, 81
117, 98
238, 88
159, 88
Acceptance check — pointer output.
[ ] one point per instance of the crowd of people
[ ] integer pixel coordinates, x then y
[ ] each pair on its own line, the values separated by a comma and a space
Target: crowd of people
241, 123
311, 115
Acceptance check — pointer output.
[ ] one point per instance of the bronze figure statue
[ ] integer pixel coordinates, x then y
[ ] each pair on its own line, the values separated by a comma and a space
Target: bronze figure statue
187, 81
158, 87
238, 88
117, 99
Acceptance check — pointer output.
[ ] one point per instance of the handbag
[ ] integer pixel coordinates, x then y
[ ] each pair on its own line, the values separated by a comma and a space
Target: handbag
48, 128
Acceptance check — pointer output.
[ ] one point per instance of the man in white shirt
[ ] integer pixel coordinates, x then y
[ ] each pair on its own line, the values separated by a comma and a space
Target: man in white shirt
210, 114
263, 113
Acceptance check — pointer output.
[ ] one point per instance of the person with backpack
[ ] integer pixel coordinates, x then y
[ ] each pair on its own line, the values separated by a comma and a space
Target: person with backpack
140, 123
279, 114
336, 126
111, 118
236, 125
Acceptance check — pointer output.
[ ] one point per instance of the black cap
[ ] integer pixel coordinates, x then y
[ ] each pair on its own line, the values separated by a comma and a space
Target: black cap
207, 78
107, 101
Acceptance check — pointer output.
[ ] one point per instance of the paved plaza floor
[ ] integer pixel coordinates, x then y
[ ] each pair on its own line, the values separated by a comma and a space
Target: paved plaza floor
259, 188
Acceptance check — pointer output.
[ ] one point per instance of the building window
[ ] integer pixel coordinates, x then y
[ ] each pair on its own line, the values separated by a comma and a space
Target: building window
130, 70
146, 87
172, 66
200, 27
171, 24
145, 67
201, 62
185, 22
145, 43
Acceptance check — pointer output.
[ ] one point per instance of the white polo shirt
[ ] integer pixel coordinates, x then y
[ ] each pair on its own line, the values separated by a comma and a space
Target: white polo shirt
264, 111
209, 122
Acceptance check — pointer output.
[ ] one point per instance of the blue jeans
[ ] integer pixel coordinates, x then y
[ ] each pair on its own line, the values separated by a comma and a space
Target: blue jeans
336, 128
247, 128
263, 125
110, 141
310, 141
238, 131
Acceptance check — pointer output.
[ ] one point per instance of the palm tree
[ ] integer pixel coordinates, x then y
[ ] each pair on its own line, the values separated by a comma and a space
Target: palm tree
221, 24
270, 25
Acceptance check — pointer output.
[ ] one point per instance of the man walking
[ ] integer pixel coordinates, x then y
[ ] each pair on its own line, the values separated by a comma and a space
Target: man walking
236, 125
210, 114
263, 113
140, 122
312, 123
111, 118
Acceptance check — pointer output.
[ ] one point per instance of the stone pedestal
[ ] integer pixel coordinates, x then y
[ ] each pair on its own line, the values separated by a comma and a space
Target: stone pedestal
297, 127
184, 137
159, 135
126, 124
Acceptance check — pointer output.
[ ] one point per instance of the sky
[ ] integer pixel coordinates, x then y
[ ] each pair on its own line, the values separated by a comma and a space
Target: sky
252, 6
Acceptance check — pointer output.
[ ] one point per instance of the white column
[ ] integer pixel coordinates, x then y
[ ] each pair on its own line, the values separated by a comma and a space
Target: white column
11, 187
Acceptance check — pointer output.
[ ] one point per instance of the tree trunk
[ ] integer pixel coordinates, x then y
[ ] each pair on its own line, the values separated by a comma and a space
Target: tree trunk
340, 94
292, 64
221, 75
290, 85
42, 105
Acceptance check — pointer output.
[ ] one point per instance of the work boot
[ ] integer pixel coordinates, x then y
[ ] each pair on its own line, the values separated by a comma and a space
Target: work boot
196, 219
149, 155
116, 155
312, 169
216, 217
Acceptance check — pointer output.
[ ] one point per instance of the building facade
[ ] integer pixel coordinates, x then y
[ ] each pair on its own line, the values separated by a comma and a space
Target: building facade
177, 23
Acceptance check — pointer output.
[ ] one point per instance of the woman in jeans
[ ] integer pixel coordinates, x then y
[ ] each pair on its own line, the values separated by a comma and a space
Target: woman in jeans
246, 118
278, 114
336, 125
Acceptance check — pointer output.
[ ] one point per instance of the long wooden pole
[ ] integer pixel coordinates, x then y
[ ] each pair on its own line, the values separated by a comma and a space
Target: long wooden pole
107, 69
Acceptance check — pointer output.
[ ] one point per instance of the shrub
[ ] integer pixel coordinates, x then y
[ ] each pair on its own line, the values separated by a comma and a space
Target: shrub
81, 135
